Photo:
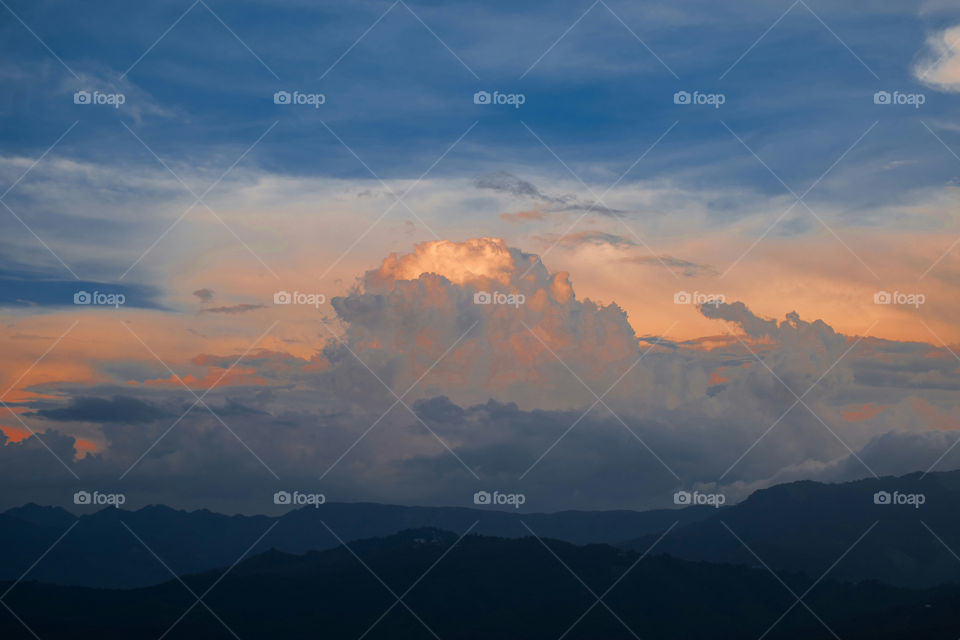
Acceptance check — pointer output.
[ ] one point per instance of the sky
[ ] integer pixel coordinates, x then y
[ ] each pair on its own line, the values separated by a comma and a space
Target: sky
720, 245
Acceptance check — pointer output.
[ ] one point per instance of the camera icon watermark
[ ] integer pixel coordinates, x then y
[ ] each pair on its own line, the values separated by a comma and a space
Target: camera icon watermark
512, 99
96, 97
299, 297
898, 98
299, 499
686, 297
86, 498
98, 298
697, 98
299, 98
687, 498
914, 500
487, 498
513, 299
897, 297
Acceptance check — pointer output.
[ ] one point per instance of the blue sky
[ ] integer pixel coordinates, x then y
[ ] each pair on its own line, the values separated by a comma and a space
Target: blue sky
399, 97
198, 198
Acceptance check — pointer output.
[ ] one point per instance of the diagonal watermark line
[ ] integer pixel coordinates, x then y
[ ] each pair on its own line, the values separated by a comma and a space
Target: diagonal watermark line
157, 41
948, 51
39, 439
623, 575
940, 540
20, 620
601, 400
42, 356
839, 39
799, 400
957, 441
18, 180
779, 19
200, 399
380, 580
597, 401
633, 33
957, 241
357, 41
399, 199
199, 199
39, 159
557, 41
757, 41
40, 40
198, 598
433, 33
780, 580
37, 561
17, 416
24, 574
39, 239
598, 599
418, 580
396, 199
239, 39
800, 199
818, 580
399, 400
598, 200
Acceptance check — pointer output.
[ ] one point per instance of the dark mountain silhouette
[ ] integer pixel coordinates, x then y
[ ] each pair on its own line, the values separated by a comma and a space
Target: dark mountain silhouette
480, 588
806, 526
101, 552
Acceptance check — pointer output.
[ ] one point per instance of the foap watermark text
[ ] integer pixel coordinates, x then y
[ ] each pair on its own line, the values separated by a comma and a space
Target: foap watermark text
299, 297
900, 298
99, 98
485, 297
485, 498
99, 298
299, 499
688, 498
698, 98
299, 98
512, 99
686, 297
95, 498
898, 98
896, 498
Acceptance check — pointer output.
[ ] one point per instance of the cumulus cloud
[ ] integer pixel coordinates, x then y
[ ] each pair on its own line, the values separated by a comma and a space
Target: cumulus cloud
517, 351
504, 391
941, 67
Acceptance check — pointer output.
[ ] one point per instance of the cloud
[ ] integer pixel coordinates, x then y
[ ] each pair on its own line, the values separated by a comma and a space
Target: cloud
941, 67
235, 308
685, 267
504, 182
119, 409
520, 352
500, 385
523, 216
581, 238
205, 295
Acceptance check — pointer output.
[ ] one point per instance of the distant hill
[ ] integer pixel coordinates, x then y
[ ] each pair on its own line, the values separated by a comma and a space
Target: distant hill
806, 526
100, 552
481, 588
